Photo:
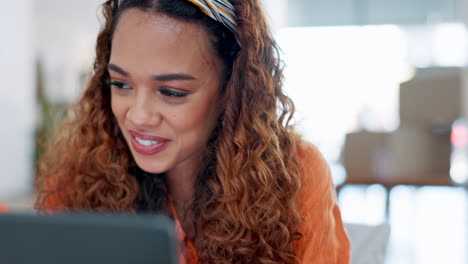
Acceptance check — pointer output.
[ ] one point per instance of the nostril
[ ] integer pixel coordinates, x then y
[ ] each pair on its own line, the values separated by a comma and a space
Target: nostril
143, 118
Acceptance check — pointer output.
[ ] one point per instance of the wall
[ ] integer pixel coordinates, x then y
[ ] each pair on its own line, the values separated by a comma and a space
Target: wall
65, 34
17, 100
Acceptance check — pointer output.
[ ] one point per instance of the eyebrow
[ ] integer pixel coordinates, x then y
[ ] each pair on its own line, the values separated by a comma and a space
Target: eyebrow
160, 77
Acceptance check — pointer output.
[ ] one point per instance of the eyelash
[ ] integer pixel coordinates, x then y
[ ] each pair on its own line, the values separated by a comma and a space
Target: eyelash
164, 91
170, 93
119, 85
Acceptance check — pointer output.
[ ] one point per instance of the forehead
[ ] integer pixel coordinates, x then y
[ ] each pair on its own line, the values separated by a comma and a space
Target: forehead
146, 41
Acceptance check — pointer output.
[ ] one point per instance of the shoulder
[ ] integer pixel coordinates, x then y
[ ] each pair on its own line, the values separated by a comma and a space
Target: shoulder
324, 239
317, 192
312, 161
316, 178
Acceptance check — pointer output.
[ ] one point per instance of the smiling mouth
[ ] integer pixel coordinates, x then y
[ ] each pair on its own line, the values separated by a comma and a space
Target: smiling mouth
147, 144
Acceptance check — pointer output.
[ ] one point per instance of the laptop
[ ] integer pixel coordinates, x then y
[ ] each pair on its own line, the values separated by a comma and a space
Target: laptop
86, 238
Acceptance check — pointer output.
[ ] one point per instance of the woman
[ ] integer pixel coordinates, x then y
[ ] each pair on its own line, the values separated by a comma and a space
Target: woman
185, 116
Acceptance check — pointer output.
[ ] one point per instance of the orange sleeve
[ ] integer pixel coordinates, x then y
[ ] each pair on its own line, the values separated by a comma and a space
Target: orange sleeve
324, 239
3, 208
50, 198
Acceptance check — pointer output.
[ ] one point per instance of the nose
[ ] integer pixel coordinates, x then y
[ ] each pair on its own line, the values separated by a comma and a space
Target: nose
144, 113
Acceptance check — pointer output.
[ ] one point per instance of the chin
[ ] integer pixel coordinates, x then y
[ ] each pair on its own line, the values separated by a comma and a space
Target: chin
151, 167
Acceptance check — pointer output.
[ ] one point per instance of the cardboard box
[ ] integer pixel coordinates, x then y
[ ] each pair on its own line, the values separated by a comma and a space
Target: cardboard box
363, 155
410, 155
418, 154
432, 97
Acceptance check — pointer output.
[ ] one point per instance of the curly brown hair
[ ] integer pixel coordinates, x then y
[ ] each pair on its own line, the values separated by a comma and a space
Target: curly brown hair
245, 206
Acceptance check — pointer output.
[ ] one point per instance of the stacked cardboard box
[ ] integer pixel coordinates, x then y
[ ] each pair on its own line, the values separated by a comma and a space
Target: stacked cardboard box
418, 152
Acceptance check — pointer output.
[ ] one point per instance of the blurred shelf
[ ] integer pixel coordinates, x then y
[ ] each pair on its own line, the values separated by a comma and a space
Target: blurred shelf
21, 204
412, 180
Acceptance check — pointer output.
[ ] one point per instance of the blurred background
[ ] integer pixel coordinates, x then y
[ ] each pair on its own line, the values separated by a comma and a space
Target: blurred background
381, 87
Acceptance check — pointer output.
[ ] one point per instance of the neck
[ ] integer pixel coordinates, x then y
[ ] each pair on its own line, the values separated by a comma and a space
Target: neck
181, 188
181, 181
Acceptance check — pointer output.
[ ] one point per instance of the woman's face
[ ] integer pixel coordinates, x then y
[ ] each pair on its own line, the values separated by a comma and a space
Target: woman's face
165, 89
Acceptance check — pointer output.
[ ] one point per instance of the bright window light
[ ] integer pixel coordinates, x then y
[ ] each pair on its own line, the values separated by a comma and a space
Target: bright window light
343, 79
459, 168
449, 43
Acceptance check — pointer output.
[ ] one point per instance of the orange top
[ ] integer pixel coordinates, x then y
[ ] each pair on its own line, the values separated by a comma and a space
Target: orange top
324, 237
3, 208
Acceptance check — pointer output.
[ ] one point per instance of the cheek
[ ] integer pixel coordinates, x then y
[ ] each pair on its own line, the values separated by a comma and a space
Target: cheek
119, 107
195, 123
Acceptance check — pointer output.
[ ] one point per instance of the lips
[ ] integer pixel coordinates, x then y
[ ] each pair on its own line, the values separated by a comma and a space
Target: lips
147, 137
148, 144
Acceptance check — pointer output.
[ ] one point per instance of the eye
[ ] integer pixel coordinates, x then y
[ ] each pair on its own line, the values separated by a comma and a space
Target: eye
171, 93
119, 85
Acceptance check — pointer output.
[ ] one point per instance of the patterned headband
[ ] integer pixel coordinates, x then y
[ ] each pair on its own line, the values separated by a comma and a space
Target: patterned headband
220, 10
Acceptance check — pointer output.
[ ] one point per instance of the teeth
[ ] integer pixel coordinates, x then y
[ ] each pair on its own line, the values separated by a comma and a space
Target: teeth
146, 142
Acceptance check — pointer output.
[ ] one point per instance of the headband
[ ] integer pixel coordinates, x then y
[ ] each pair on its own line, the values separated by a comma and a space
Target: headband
220, 10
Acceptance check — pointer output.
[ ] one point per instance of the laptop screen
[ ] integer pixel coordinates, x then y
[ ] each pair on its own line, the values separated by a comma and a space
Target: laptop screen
86, 238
